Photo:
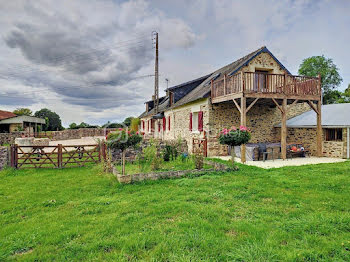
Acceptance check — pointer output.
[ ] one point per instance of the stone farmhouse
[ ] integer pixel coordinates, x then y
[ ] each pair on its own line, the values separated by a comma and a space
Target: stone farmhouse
256, 91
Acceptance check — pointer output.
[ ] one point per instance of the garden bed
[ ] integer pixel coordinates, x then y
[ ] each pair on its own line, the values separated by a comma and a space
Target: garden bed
171, 169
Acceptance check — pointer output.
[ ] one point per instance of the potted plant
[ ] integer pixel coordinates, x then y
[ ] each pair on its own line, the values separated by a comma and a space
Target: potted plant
123, 139
234, 137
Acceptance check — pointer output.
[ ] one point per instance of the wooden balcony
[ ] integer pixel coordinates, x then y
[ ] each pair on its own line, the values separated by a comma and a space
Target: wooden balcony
261, 85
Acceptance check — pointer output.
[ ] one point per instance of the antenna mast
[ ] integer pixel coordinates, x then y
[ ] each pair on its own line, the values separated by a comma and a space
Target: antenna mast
156, 76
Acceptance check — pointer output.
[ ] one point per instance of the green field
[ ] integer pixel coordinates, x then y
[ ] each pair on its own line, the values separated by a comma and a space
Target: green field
286, 214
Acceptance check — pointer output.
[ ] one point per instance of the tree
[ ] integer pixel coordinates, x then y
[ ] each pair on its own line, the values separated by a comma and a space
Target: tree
127, 121
73, 126
53, 120
135, 122
330, 77
23, 111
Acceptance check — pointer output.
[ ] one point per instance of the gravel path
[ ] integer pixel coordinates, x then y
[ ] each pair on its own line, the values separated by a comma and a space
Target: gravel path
290, 162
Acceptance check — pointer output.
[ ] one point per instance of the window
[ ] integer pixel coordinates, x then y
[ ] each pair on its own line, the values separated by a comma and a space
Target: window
334, 134
196, 121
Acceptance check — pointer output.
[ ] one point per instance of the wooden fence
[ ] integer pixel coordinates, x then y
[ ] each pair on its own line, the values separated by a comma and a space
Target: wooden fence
58, 156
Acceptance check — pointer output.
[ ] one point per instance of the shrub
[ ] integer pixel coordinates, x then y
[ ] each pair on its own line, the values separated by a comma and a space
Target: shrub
123, 139
234, 137
170, 152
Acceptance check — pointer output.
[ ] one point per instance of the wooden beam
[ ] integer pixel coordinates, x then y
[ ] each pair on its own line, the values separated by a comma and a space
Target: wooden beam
284, 129
237, 105
252, 104
279, 107
313, 106
243, 123
319, 130
294, 102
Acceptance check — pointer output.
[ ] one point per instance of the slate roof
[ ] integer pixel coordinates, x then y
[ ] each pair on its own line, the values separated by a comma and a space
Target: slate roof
6, 114
200, 87
334, 115
179, 91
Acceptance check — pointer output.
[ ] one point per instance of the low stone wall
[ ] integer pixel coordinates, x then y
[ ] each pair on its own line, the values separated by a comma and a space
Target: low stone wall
127, 179
79, 133
9, 138
4, 156
132, 153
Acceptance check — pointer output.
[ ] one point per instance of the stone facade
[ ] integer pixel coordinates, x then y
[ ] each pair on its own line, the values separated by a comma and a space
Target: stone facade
261, 119
333, 149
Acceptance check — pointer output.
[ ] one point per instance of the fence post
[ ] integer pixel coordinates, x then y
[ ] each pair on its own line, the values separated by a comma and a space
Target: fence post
12, 163
59, 156
15, 154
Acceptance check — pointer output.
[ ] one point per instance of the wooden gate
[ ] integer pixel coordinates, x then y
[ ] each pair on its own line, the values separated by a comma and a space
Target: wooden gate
58, 156
199, 146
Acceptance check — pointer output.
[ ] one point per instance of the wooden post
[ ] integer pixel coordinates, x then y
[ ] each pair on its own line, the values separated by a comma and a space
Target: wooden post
15, 153
225, 85
319, 129
243, 123
123, 162
212, 89
59, 156
242, 81
284, 129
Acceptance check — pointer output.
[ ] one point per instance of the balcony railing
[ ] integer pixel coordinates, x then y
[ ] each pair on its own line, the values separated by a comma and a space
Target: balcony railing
261, 83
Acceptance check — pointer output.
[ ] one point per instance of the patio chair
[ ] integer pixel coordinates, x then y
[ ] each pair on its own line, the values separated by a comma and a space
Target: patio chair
263, 152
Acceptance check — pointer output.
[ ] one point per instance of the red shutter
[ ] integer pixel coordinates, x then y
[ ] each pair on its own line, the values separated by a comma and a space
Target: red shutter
143, 125
169, 123
164, 123
200, 121
190, 121
158, 126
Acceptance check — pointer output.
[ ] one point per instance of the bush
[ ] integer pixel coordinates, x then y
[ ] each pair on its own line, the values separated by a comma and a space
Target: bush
234, 136
170, 153
123, 139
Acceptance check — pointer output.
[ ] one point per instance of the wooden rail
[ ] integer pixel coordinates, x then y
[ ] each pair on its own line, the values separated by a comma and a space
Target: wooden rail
253, 83
58, 156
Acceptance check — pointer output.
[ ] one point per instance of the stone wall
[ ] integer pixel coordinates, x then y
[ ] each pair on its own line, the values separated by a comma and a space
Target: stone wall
261, 119
78, 133
333, 149
9, 138
4, 156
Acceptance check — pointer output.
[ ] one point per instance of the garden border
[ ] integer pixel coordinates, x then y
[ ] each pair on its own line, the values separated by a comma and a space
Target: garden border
127, 179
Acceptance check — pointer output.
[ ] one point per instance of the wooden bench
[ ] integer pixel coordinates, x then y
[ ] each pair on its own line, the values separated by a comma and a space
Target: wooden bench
297, 153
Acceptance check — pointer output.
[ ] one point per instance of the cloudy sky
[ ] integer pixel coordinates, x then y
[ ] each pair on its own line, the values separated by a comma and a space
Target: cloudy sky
88, 60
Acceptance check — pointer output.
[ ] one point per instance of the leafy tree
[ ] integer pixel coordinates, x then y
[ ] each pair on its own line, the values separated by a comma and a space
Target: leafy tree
73, 126
23, 111
127, 121
135, 122
53, 120
330, 77
112, 125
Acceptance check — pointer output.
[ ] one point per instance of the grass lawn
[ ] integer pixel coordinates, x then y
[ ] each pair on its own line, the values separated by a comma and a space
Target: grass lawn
175, 165
286, 214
